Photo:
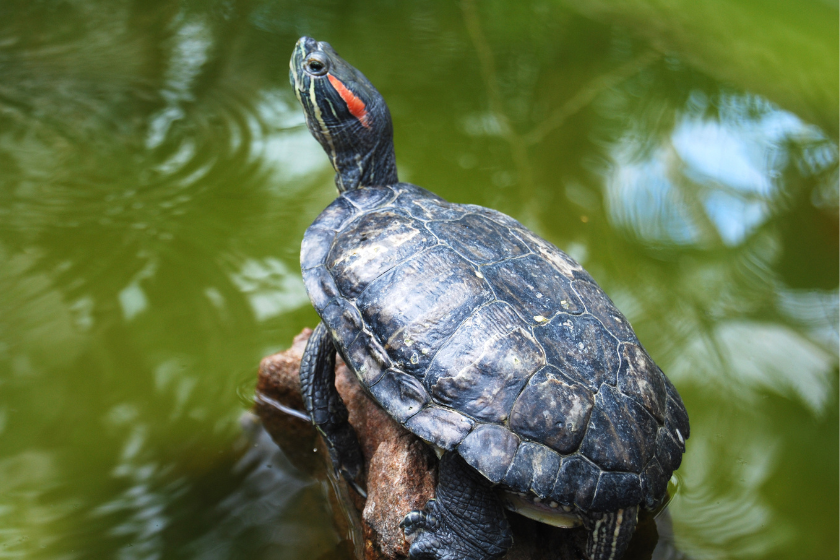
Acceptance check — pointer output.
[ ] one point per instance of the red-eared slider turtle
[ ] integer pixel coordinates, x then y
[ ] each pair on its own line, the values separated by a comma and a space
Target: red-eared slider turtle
480, 337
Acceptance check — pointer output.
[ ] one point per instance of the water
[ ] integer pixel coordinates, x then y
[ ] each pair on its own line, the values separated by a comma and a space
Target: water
156, 179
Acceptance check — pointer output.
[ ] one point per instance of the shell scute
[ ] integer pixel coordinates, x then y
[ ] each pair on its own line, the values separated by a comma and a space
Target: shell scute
581, 347
372, 245
559, 260
367, 198
668, 451
343, 320
534, 469
490, 449
496, 216
336, 215
400, 394
320, 287
676, 414
417, 305
484, 364
440, 426
367, 358
469, 234
533, 287
576, 482
315, 247
601, 306
621, 433
553, 410
654, 483
617, 490
427, 209
409, 191
640, 379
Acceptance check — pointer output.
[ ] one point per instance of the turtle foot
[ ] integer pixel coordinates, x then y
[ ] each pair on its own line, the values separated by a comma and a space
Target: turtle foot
465, 522
434, 537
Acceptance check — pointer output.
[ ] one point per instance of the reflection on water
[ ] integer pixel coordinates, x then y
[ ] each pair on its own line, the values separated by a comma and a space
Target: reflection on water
271, 287
729, 515
716, 177
156, 177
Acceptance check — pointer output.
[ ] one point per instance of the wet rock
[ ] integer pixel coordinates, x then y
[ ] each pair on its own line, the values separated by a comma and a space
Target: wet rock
401, 469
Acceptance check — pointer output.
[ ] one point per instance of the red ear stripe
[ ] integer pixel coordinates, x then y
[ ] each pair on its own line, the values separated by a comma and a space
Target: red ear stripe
354, 104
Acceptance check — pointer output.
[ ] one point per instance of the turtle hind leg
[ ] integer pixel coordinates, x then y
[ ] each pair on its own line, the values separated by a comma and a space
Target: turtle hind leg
326, 409
465, 521
610, 533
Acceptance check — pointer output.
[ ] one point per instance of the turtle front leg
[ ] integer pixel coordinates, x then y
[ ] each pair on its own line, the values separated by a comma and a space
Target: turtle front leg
326, 409
465, 521
610, 533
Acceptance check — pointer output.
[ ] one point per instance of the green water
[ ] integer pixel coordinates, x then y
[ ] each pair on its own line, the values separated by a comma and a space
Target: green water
156, 179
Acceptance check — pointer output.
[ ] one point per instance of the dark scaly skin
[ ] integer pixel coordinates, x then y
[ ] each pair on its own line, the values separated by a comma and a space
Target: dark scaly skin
325, 407
465, 521
610, 533
481, 338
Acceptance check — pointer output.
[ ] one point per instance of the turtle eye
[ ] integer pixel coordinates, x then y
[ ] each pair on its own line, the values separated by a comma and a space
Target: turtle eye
317, 64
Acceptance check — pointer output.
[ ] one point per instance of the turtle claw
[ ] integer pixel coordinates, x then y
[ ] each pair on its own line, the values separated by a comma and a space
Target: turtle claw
412, 524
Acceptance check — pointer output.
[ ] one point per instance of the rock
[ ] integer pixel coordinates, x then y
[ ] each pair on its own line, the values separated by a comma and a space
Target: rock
401, 469
401, 477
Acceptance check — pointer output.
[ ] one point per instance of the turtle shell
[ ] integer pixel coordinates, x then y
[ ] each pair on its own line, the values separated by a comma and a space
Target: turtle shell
478, 335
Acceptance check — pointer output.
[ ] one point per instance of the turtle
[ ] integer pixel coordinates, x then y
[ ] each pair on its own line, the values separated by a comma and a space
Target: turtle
483, 339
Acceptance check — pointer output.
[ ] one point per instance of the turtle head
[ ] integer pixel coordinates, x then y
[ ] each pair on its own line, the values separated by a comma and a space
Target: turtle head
346, 115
